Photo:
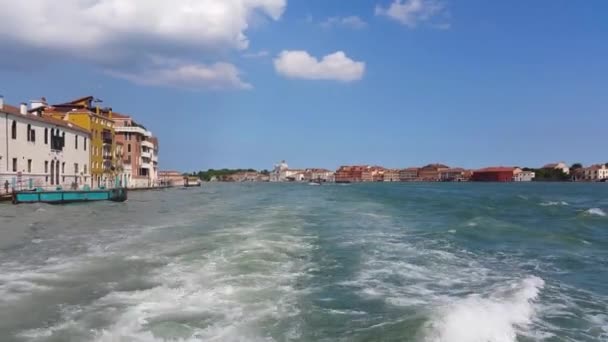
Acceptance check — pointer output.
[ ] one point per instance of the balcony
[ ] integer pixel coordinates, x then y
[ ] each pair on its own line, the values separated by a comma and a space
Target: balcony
147, 144
146, 155
132, 129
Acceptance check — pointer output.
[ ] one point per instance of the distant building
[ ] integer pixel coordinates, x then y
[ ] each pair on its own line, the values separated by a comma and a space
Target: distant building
373, 174
452, 175
595, 173
171, 178
558, 166
409, 174
392, 175
524, 176
278, 173
431, 172
322, 175
495, 174
350, 174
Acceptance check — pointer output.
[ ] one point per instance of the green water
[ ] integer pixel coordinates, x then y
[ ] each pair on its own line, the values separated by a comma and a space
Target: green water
293, 262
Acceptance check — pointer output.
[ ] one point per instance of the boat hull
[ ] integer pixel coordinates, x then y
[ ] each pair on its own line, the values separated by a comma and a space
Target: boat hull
64, 197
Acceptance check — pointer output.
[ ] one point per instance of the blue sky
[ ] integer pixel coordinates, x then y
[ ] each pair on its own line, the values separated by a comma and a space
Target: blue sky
468, 83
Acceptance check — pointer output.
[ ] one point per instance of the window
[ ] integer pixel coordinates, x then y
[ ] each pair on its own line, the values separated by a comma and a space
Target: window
29, 165
46, 136
14, 164
29, 130
85, 169
46, 166
85, 143
33, 135
14, 130
76, 168
63, 167
129, 148
75, 141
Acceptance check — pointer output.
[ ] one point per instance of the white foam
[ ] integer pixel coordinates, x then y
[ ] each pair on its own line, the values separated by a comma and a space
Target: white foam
499, 317
596, 211
553, 203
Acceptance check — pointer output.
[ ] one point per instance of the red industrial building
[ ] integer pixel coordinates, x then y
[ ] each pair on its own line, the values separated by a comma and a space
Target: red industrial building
494, 174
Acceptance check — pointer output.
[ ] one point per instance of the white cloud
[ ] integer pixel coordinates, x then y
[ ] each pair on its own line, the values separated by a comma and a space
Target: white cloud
119, 32
336, 66
352, 21
178, 74
412, 12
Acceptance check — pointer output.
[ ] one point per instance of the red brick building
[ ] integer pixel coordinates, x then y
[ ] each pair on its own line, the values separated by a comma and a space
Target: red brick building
494, 174
350, 174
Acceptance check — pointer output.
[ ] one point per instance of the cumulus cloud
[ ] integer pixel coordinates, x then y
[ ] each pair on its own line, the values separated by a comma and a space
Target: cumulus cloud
412, 12
185, 75
117, 32
353, 22
301, 65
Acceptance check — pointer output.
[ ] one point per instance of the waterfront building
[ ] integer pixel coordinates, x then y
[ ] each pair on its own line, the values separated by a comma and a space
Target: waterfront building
37, 151
278, 173
558, 166
391, 175
524, 176
495, 174
98, 121
170, 178
140, 152
408, 175
350, 174
322, 175
453, 175
430, 173
595, 173
372, 174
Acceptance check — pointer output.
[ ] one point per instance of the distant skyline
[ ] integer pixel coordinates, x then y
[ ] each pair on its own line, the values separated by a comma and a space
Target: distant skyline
323, 83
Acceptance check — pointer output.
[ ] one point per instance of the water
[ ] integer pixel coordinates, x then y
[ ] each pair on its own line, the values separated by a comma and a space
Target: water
291, 262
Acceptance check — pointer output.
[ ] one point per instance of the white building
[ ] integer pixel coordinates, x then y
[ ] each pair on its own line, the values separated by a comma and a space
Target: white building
39, 151
596, 173
524, 176
558, 166
279, 172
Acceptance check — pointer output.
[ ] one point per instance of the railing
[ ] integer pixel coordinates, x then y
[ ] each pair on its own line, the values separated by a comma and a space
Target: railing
132, 129
147, 144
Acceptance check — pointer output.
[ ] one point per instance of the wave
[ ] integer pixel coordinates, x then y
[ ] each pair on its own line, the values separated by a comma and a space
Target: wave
596, 211
553, 203
497, 318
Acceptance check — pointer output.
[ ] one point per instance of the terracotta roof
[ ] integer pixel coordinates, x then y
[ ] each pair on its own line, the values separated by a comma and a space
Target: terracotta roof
120, 116
12, 110
496, 169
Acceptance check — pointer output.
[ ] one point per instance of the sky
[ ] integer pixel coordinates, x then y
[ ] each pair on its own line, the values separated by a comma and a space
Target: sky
323, 83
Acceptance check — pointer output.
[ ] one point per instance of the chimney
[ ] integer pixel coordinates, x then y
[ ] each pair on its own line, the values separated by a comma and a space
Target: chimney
35, 104
23, 108
1, 102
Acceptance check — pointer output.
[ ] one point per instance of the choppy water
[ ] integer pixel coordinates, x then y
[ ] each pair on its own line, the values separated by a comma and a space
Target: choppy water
289, 262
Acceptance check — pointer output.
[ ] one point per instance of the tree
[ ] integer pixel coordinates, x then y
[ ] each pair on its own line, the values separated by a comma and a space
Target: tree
576, 166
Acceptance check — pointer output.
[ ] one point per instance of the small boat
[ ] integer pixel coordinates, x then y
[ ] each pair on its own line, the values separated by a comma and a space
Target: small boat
70, 196
314, 183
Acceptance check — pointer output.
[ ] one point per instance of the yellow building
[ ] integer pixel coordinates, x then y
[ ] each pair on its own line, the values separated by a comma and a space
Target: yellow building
99, 122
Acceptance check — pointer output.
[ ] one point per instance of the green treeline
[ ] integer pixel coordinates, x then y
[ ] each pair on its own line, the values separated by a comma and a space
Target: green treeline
221, 174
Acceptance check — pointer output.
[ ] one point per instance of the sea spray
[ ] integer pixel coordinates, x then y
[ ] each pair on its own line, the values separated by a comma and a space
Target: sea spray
496, 318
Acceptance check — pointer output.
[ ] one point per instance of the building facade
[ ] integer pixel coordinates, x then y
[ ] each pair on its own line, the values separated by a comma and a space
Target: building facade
430, 173
392, 175
41, 152
494, 174
408, 175
524, 176
350, 174
595, 173
140, 152
98, 121
558, 166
